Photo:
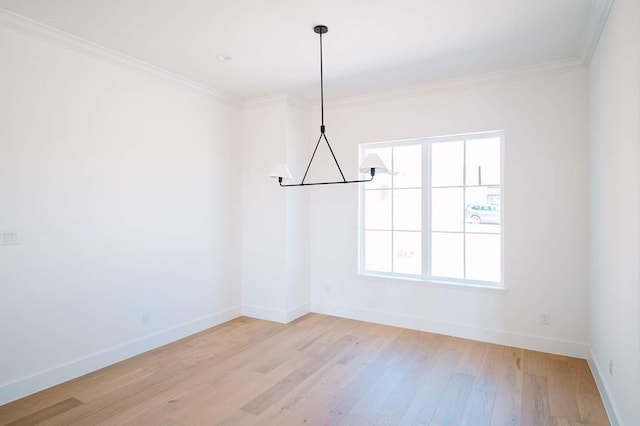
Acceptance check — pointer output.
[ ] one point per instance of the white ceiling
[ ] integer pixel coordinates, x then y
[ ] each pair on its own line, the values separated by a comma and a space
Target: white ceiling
372, 45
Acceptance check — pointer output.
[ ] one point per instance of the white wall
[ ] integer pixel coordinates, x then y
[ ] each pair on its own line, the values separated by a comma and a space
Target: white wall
546, 215
275, 231
264, 212
614, 132
299, 141
125, 190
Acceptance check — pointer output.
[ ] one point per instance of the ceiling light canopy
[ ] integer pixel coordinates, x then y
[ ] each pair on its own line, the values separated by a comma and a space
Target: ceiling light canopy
370, 164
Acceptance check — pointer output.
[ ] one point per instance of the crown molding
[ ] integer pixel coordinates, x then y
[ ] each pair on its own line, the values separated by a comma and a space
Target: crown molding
596, 20
275, 99
464, 83
52, 35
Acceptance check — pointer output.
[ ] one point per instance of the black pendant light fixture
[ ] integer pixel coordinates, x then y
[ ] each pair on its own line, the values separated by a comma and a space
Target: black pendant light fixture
370, 164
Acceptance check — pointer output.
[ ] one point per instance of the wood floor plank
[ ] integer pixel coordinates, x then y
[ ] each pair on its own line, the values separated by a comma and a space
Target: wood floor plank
507, 405
156, 403
291, 402
333, 404
162, 406
73, 388
535, 401
425, 403
562, 398
582, 378
219, 400
25, 406
322, 370
592, 411
349, 364
373, 366
397, 404
478, 409
533, 362
284, 386
472, 358
400, 356
93, 412
316, 407
222, 401
47, 413
353, 420
454, 400
240, 417
488, 377
97, 390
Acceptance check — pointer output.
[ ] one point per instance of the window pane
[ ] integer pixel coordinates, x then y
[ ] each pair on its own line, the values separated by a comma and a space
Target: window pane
447, 164
447, 255
463, 220
381, 180
407, 252
407, 161
407, 209
483, 257
447, 209
483, 162
377, 250
482, 212
377, 204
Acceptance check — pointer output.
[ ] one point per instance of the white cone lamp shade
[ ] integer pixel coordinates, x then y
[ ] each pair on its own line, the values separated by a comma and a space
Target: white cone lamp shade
373, 161
281, 171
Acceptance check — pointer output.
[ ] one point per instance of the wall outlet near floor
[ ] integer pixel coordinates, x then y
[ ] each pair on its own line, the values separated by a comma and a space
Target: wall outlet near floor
146, 317
9, 237
610, 367
545, 318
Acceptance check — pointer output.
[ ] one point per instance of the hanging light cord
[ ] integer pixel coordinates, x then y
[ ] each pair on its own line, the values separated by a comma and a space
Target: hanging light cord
321, 29
321, 90
322, 128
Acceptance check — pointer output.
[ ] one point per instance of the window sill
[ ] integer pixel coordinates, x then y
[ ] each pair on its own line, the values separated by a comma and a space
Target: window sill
433, 283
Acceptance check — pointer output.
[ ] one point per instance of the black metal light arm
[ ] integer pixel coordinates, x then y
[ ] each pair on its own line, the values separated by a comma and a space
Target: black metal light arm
373, 173
321, 29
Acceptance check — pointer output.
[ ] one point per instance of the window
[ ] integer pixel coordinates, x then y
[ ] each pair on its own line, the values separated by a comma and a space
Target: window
437, 216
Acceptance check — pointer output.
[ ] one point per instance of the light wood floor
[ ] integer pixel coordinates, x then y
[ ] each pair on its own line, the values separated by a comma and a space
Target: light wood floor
322, 370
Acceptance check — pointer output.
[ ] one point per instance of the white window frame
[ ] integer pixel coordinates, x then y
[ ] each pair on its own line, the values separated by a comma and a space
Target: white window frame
425, 276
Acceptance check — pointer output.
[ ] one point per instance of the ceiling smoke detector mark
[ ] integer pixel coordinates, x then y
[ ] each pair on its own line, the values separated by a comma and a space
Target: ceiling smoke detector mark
223, 58
9, 237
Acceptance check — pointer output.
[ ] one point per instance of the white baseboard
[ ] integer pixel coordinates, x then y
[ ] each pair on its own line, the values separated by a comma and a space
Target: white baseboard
45, 379
297, 312
603, 388
537, 343
275, 315
266, 314
28, 385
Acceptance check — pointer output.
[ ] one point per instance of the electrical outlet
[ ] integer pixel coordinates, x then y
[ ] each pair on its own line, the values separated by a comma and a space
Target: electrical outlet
146, 317
545, 318
9, 237
610, 367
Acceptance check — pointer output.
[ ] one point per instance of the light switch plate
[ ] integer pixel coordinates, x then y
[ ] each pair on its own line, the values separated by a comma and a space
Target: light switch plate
9, 237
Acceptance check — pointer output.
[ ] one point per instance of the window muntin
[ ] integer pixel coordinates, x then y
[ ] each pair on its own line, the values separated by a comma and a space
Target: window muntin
437, 215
